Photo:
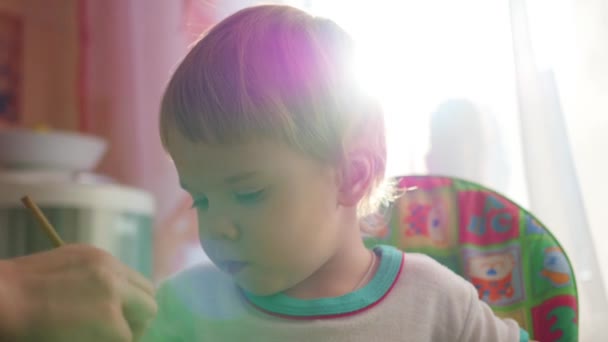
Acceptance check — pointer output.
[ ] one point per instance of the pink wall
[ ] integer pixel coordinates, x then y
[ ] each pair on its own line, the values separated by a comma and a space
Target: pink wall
129, 50
49, 75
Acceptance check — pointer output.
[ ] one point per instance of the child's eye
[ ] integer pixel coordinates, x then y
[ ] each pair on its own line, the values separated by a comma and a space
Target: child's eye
201, 203
249, 197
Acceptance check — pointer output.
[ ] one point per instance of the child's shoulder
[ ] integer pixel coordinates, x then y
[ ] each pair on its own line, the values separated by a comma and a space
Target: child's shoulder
422, 271
426, 266
450, 300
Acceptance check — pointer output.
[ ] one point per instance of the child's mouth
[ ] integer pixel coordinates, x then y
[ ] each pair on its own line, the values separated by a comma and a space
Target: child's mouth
232, 267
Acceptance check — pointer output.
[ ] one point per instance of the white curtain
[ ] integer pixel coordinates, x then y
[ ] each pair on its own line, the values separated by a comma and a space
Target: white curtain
551, 117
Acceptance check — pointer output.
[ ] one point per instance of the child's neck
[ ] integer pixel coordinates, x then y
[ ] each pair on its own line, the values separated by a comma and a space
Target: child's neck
347, 268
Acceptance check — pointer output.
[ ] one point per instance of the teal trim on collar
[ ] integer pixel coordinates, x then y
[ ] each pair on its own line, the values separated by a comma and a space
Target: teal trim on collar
386, 275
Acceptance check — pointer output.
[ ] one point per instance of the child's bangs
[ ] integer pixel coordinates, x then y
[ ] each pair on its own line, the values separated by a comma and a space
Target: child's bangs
214, 106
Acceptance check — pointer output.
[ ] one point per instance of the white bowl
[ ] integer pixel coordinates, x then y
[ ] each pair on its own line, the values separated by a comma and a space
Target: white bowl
54, 150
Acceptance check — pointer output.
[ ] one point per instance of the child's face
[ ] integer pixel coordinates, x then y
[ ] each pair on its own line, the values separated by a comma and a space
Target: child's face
268, 215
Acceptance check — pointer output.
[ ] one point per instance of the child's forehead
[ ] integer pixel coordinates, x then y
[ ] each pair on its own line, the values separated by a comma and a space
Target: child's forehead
204, 166
178, 144
233, 156
262, 157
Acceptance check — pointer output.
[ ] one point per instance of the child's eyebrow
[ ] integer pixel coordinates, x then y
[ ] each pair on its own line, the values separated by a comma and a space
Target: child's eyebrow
230, 180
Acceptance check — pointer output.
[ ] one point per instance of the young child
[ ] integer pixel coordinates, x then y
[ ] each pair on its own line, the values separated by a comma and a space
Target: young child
283, 154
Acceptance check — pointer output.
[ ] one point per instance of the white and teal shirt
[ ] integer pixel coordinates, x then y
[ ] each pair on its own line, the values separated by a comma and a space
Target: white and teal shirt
410, 298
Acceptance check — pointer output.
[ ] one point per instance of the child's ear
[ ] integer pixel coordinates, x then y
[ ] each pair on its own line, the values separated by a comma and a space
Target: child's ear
356, 177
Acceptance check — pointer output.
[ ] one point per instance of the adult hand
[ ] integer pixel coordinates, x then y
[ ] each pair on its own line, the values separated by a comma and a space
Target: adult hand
73, 293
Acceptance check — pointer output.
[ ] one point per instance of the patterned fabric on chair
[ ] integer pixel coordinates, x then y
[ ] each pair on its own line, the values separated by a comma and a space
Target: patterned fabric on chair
516, 264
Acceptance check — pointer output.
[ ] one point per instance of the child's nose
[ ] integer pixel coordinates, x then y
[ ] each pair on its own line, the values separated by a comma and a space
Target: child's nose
221, 228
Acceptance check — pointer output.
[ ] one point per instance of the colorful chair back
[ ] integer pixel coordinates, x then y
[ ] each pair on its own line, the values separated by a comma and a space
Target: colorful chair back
516, 264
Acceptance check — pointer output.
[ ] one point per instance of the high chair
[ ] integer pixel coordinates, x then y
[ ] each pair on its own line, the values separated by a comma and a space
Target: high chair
516, 264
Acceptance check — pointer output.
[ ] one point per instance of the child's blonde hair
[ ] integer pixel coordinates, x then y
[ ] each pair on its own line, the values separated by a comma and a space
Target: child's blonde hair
276, 72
